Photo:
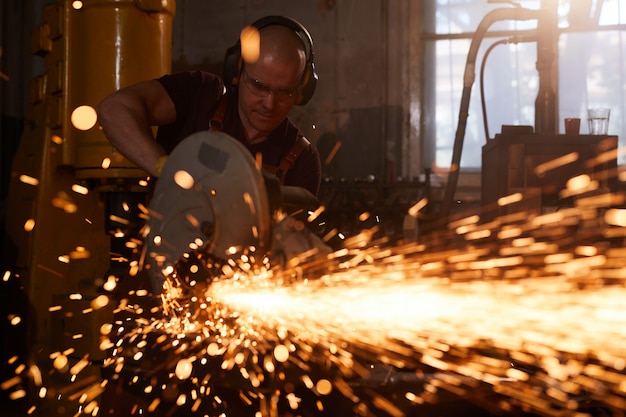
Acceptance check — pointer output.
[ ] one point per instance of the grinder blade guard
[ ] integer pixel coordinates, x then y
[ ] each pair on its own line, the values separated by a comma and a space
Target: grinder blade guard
210, 197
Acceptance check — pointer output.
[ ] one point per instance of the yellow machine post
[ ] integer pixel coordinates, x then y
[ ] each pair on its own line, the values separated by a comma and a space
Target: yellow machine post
56, 229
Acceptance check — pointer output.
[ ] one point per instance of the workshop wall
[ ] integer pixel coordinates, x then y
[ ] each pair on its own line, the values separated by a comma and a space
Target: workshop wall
361, 56
364, 54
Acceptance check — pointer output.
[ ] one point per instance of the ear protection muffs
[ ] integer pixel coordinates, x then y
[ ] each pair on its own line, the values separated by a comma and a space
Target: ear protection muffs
233, 62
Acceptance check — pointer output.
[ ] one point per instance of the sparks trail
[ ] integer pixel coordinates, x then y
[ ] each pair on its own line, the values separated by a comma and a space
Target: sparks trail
513, 337
542, 330
524, 312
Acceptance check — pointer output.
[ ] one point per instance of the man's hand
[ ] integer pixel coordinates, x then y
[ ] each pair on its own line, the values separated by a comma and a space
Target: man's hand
127, 117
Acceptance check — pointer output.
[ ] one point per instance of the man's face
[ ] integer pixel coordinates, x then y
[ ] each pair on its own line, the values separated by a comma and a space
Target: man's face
267, 91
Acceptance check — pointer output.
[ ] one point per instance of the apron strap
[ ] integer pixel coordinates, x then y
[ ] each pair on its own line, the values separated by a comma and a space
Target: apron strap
217, 123
288, 160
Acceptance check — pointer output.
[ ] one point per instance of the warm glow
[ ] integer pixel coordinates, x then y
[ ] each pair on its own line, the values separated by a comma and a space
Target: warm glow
183, 179
29, 225
510, 199
64, 202
184, 368
541, 169
110, 283
106, 328
417, 207
616, 217
60, 362
324, 386
99, 302
84, 117
27, 179
80, 189
579, 182
281, 353
250, 44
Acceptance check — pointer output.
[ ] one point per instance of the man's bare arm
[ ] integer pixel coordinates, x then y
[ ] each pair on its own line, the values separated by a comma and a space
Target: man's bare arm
127, 117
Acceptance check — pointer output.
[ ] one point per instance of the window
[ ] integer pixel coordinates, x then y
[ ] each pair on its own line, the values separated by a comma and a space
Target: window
591, 70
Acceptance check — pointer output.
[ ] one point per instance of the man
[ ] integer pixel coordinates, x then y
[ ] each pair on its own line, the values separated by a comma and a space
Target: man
251, 103
254, 109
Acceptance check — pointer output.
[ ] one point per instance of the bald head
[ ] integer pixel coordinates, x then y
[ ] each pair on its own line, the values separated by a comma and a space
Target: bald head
272, 80
279, 44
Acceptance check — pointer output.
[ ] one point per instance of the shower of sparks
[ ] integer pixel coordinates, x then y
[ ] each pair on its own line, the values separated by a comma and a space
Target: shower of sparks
525, 312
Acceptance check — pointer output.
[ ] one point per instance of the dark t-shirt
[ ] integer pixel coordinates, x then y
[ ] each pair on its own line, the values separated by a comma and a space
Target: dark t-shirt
196, 95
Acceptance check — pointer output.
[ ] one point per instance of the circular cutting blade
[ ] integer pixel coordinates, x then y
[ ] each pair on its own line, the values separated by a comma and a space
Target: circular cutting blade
210, 196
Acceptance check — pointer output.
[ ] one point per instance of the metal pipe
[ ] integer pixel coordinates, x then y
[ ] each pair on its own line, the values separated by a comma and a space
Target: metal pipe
468, 81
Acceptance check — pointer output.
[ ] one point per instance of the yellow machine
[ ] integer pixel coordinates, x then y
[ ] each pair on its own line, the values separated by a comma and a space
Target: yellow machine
69, 188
